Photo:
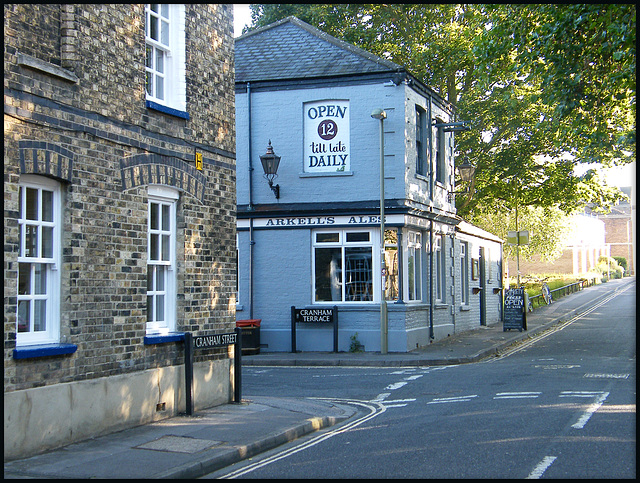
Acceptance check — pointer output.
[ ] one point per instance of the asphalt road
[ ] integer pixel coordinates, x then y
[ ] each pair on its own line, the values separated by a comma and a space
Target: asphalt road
559, 406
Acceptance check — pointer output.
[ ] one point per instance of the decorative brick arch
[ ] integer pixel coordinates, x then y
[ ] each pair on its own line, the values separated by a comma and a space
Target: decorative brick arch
45, 158
151, 168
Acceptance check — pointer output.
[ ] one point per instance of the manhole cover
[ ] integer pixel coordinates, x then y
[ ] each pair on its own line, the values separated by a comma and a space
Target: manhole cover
179, 444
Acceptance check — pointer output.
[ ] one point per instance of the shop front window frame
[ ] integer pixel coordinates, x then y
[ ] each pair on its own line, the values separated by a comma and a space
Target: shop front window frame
348, 259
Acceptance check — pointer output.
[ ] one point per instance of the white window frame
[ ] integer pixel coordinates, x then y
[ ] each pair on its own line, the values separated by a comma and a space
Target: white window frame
343, 244
237, 269
51, 292
394, 271
439, 267
171, 51
464, 273
422, 160
164, 266
414, 250
440, 148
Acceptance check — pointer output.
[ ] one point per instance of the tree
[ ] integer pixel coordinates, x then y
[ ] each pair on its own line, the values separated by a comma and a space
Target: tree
548, 228
545, 87
559, 83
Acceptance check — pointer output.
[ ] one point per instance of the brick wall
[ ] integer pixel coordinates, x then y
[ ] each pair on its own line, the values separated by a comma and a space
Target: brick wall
75, 111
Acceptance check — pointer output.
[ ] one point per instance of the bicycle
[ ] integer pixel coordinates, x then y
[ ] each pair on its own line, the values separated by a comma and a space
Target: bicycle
546, 294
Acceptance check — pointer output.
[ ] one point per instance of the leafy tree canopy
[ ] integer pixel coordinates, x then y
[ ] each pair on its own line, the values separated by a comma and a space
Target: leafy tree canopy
545, 87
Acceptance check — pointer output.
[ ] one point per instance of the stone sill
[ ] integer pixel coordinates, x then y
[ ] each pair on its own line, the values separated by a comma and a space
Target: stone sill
46, 67
43, 350
167, 110
163, 338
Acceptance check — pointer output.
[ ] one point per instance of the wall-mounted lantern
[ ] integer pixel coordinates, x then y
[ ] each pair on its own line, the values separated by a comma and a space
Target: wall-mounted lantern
466, 170
270, 162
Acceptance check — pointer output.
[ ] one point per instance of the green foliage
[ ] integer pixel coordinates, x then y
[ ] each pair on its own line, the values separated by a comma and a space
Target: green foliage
608, 268
621, 262
355, 346
532, 284
548, 229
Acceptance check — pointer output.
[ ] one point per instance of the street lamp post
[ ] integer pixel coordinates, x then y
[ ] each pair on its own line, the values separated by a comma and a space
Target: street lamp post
381, 115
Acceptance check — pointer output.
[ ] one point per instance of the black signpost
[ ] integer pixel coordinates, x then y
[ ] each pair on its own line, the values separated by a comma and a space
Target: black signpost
514, 315
327, 315
207, 342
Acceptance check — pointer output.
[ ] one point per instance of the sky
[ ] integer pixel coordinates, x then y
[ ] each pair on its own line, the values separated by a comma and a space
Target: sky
621, 176
241, 17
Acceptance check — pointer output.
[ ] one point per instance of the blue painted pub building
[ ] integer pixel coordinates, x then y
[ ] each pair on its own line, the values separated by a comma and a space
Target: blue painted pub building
310, 236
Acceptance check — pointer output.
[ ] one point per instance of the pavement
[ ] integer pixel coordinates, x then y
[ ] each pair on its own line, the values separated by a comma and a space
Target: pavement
193, 446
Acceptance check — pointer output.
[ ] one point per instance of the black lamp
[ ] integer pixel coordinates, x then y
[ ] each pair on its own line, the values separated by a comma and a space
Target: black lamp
270, 162
466, 170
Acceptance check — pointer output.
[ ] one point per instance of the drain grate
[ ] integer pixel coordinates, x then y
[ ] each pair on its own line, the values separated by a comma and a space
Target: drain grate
179, 444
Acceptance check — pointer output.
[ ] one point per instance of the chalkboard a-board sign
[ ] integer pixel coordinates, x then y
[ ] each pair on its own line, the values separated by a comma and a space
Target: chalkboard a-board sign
514, 315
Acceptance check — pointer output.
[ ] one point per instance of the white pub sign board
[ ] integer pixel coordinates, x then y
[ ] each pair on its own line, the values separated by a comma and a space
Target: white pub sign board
326, 136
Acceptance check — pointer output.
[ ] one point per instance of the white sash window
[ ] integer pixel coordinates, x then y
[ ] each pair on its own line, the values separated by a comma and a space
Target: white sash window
165, 55
161, 260
39, 221
414, 266
464, 273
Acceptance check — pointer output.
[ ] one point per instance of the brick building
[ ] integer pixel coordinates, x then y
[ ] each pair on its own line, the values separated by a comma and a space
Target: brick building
619, 228
119, 215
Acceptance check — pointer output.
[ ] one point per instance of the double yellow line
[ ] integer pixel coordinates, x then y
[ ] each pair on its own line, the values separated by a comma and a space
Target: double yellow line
556, 328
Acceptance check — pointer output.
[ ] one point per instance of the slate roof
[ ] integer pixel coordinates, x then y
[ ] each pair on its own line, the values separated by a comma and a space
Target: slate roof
293, 49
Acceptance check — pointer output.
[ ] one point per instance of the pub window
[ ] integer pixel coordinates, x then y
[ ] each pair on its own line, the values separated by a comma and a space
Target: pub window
464, 273
421, 141
343, 266
39, 224
414, 266
440, 149
161, 260
391, 264
439, 267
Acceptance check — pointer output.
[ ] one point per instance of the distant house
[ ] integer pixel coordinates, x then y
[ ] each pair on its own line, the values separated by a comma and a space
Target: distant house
310, 238
119, 204
594, 235
620, 231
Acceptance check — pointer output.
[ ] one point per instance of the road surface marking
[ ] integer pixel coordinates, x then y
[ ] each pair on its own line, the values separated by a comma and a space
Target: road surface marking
413, 378
442, 400
589, 412
396, 385
374, 410
608, 376
539, 470
547, 332
516, 395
